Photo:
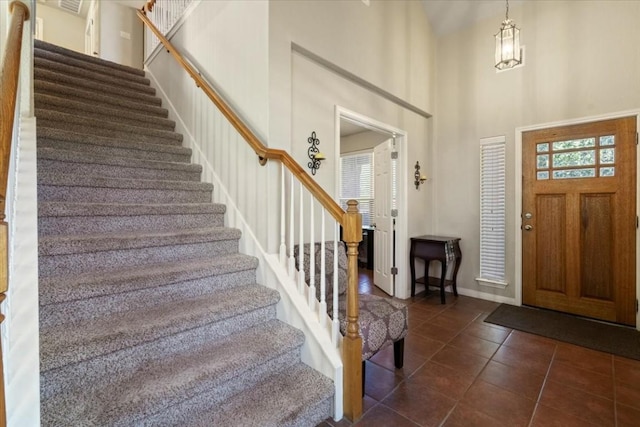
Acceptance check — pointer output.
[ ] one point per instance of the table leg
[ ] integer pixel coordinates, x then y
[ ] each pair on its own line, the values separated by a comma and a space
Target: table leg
412, 266
458, 256
443, 276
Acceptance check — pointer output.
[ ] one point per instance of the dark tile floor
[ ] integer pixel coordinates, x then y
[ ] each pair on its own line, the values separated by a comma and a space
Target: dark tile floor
460, 371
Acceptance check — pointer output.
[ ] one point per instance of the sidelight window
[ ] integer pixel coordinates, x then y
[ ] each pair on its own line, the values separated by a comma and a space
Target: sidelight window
492, 212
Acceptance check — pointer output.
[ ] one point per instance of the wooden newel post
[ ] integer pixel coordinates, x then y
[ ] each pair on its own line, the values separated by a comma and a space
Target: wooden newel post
352, 343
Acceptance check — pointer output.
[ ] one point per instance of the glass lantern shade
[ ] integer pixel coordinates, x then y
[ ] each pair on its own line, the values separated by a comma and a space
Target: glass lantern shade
508, 53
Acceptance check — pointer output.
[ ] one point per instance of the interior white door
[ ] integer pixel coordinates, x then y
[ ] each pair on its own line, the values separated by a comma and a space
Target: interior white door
383, 236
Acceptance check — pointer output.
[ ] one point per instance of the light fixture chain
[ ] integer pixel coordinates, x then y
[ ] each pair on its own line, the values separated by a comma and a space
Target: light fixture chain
507, 10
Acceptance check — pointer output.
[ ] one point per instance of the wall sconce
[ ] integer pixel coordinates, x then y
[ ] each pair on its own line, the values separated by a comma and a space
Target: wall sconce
314, 153
420, 179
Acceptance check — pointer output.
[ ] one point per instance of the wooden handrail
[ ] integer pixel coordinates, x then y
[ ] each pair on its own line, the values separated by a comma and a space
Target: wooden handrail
350, 220
9, 74
263, 152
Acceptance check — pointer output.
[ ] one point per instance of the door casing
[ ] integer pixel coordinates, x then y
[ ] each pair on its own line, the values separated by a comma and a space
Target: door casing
518, 195
402, 289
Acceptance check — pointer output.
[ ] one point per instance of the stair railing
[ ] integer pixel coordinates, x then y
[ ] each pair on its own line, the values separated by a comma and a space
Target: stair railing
351, 222
9, 74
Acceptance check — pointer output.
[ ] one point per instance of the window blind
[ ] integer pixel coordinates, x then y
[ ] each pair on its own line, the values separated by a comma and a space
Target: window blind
492, 209
356, 182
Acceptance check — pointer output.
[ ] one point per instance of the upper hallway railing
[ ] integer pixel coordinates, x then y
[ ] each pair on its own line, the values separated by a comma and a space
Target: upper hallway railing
9, 74
350, 221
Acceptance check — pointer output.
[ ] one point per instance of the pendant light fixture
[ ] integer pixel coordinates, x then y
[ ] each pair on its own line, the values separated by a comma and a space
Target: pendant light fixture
508, 52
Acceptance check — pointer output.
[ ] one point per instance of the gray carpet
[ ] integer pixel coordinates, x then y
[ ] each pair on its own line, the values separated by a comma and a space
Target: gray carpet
619, 340
149, 314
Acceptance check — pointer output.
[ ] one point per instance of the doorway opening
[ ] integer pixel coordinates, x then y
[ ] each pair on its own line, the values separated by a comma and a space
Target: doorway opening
385, 215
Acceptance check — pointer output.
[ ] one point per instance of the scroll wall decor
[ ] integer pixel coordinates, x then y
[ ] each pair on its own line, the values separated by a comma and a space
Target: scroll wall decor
315, 156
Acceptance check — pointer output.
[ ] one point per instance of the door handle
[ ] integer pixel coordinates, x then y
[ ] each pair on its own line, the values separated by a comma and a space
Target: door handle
528, 227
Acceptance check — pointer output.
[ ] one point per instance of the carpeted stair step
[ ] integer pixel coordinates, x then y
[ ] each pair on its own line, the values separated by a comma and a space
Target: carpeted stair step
163, 392
100, 145
39, 44
79, 297
57, 218
92, 111
93, 77
111, 129
100, 371
149, 315
298, 396
73, 188
71, 93
86, 163
63, 346
83, 66
98, 88
99, 252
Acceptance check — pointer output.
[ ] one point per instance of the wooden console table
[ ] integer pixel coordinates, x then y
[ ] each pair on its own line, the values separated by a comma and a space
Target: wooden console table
435, 248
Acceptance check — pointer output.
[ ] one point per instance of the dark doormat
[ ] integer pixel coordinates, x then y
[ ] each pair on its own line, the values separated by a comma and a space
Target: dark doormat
619, 340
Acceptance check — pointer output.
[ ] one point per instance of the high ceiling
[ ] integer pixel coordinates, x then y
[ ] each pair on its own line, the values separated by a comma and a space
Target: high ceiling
447, 16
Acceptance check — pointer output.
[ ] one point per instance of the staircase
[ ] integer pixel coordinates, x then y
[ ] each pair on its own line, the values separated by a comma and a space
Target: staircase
149, 315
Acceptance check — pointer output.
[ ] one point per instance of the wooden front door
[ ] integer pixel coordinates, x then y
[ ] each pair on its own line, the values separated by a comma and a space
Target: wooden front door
579, 219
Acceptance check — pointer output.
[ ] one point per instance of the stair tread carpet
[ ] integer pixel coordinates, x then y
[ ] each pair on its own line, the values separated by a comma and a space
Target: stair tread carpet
122, 209
69, 156
112, 333
69, 180
73, 93
253, 409
90, 76
69, 106
161, 385
82, 66
40, 44
55, 134
97, 87
149, 312
59, 245
127, 279
84, 124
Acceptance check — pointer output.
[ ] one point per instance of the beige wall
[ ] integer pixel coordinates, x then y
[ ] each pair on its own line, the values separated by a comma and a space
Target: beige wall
61, 28
582, 59
365, 140
390, 45
116, 22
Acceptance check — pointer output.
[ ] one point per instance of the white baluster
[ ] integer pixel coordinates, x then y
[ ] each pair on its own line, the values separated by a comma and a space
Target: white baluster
312, 257
292, 265
283, 246
301, 246
322, 309
335, 330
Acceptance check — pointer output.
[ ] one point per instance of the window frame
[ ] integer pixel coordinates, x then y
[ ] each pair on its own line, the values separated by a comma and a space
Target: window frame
370, 200
492, 192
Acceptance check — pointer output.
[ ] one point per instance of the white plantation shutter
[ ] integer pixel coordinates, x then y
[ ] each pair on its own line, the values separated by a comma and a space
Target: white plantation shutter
492, 210
356, 172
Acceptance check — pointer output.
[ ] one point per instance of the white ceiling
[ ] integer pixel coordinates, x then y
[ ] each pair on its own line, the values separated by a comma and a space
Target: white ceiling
445, 16
448, 16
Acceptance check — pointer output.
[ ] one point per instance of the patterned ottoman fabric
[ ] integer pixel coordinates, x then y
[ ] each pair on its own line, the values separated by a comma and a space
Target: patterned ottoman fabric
382, 322
342, 268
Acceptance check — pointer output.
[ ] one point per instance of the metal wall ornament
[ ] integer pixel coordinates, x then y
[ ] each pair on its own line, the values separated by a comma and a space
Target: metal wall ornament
508, 51
420, 179
314, 153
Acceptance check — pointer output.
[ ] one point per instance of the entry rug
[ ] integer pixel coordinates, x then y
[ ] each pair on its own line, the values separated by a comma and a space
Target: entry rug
619, 340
